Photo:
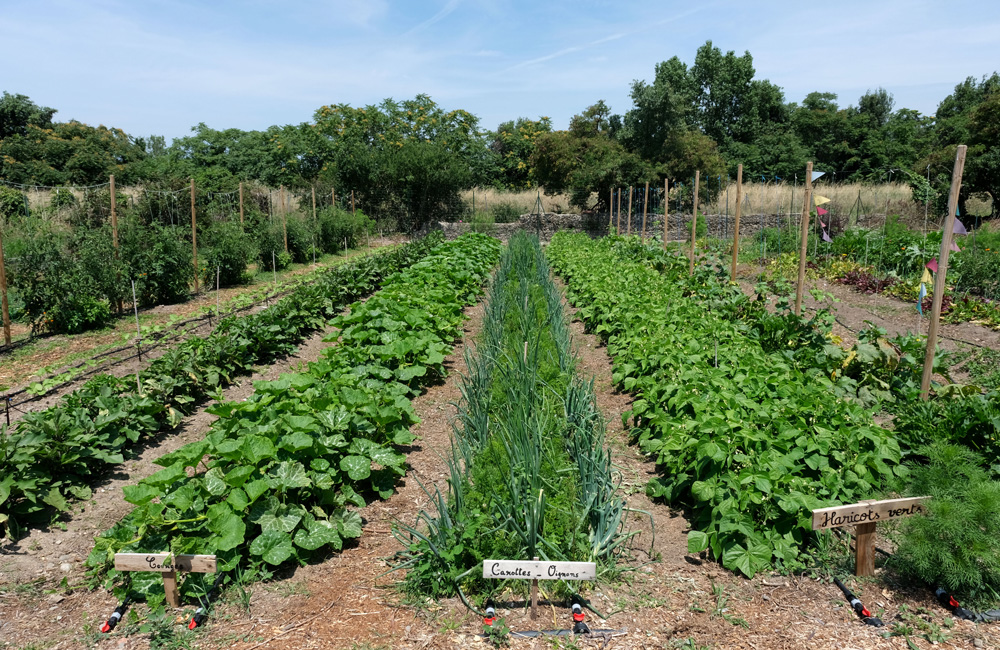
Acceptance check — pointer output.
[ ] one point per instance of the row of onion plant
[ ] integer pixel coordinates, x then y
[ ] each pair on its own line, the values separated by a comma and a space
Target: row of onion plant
530, 475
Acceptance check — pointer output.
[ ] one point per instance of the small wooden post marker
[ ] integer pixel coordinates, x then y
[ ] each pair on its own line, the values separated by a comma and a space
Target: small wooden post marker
168, 565
863, 516
535, 571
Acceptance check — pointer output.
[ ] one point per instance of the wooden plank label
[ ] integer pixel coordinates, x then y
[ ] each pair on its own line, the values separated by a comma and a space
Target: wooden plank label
161, 562
867, 512
541, 570
168, 564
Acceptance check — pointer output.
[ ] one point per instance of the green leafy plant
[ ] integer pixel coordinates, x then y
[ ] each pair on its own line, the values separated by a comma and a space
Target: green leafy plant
273, 479
748, 435
52, 455
957, 545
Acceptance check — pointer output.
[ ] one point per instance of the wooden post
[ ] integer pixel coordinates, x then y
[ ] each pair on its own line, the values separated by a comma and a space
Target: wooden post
666, 211
114, 216
611, 209
353, 211
194, 239
618, 222
241, 203
284, 216
3, 293
314, 205
804, 245
694, 218
736, 227
628, 226
534, 595
645, 208
138, 330
333, 196
939, 277
864, 545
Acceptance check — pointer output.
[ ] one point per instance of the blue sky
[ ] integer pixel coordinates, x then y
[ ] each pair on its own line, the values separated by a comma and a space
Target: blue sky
162, 66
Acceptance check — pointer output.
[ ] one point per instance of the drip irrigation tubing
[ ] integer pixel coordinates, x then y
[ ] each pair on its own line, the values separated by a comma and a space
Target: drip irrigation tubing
942, 596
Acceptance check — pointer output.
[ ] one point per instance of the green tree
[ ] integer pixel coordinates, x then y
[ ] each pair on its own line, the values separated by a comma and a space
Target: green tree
585, 160
17, 112
967, 116
513, 143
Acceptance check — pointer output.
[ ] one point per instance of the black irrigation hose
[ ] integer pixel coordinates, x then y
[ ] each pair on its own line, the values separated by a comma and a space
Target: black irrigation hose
943, 597
858, 607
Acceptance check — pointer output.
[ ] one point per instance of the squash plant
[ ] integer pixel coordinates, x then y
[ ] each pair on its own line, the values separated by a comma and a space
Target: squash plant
51, 455
273, 479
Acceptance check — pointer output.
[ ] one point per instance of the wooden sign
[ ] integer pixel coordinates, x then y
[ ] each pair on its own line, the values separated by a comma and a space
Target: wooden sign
863, 516
528, 570
167, 564
534, 570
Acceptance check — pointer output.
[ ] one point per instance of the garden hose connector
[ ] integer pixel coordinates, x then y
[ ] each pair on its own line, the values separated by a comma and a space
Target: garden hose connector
115, 617
858, 606
198, 618
579, 626
952, 605
491, 614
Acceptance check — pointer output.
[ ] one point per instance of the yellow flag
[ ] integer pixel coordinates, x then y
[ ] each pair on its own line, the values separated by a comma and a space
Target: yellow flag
926, 277
819, 200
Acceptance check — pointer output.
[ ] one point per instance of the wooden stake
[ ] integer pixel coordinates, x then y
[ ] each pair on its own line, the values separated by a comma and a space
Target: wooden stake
194, 239
114, 216
645, 208
611, 208
694, 218
628, 226
666, 211
736, 227
618, 222
314, 205
3, 293
534, 595
353, 211
333, 197
864, 548
138, 330
939, 277
804, 245
284, 217
241, 203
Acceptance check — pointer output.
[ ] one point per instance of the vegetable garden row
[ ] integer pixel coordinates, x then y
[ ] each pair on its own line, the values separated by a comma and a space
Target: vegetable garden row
756, 418
529, 472
50, 455
272, 480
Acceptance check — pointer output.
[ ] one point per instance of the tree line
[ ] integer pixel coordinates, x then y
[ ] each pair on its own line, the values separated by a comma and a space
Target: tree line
410, 158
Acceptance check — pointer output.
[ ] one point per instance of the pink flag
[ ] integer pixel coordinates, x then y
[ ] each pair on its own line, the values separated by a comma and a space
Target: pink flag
826, 236
820, 211
932, 265
822, 224
954, 247
959, 228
